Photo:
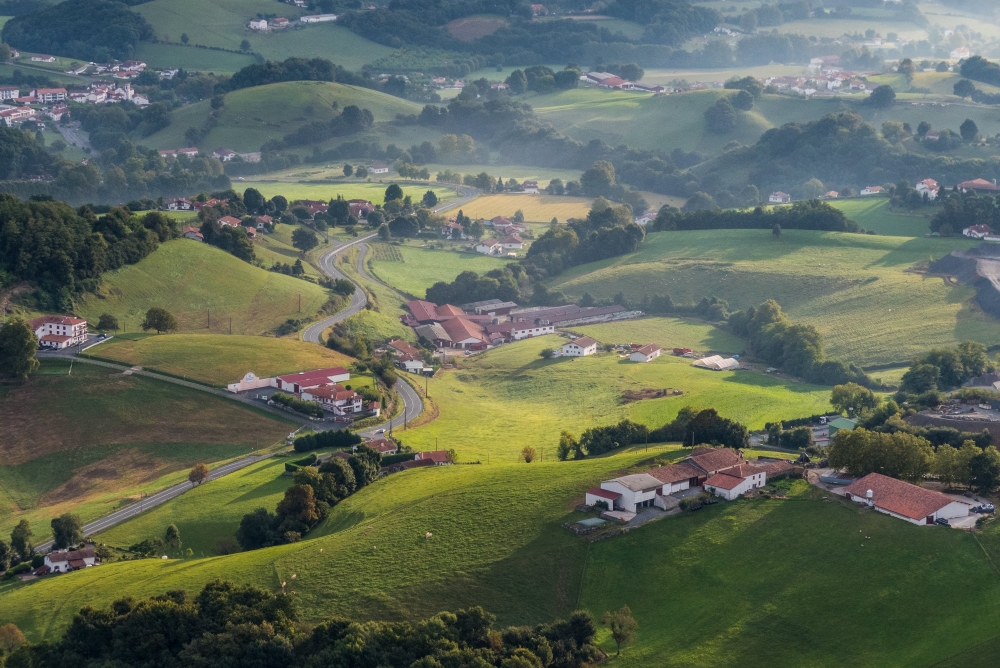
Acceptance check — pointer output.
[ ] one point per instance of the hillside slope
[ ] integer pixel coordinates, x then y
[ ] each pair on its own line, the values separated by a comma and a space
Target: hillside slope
189, 279
253, 116
860, 291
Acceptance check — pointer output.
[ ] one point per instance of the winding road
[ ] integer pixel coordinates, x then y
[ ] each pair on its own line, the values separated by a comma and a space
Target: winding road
413, 405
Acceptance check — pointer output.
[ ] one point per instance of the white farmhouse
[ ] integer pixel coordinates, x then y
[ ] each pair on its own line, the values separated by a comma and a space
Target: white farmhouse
489, 247
59, 331
647, 353
904, 501
634, 492
779, 197
736, 481
258, 24
65, 561
579, 347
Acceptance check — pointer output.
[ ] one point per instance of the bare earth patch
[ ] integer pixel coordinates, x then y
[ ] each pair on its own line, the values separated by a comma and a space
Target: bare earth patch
473, 27
629, 396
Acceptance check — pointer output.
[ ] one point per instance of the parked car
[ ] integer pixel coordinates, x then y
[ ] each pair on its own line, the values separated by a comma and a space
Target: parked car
987, 508
380, 431
942, 521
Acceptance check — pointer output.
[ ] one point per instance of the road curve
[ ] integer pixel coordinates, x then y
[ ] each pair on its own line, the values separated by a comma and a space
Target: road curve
466, 195
314, 332
154, 500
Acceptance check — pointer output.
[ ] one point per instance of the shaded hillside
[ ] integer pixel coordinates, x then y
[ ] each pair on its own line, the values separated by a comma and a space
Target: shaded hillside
978, 267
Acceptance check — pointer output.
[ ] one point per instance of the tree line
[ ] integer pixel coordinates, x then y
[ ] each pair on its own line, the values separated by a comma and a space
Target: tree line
690, 427
307, 502
796, 348
808, 215
228, 624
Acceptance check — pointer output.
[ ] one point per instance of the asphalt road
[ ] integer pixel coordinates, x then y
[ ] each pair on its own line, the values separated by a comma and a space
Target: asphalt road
466, 195
314, 332
149, 502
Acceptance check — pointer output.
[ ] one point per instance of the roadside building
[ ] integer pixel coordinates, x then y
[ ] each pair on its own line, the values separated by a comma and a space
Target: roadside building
304, 380
59, 331
904, 501
64, 561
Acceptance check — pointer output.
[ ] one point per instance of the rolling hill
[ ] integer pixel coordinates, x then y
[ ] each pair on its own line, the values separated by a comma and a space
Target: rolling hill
189, 279
860, 291
88, 440
253, 116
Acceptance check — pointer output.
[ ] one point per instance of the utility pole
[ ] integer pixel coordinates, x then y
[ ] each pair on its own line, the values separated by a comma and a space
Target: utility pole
209, 326
300, 302
230, 325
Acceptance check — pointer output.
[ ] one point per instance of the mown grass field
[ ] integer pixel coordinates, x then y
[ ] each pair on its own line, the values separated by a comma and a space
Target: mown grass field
874, 214
666, 332
191, 58
496, 403
706, 588
374, 192
189, 279
90, 440
220, 359
536, 208
857, 290
381, 321
413, 269
253, 116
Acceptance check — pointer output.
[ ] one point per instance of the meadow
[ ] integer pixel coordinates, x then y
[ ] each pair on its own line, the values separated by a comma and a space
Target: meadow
380, 322
220, 359
316, 190
672, 332
90, 440
497, 402
253, 116
874, 214
859, 291
195, 281
536, 208
414, 269
191, 58
697, 583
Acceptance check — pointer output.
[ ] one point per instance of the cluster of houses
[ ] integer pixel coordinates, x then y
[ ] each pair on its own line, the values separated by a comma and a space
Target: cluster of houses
608, 80
280, 22
927, 187
19, 105
65, 561
323, 386
719, 471
507, 239
492, 322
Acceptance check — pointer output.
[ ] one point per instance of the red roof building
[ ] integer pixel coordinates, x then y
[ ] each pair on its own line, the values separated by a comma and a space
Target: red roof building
59, 331
229, 221
439, 457
296, 382
978, 184
903, 500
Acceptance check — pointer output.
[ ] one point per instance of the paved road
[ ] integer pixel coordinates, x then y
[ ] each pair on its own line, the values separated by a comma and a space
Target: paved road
71, 137
466, 195
313, 332
149, 502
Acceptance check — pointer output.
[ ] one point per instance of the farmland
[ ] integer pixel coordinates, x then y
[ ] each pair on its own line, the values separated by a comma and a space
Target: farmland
536, 208
488, 394
523, 567
672, 332
90, 440
253, 116
413, 269
874, 214
191, 279
380, 322
309, 189
858, 290
220, 359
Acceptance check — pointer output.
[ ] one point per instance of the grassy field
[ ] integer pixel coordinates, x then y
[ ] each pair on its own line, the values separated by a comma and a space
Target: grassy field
220, 359
497, 402
189, 279
856, 289
536, 208
874, 214
381, 321
706, 588
252, 116
258, 486
191, 58
667, 332
309, 189
89, 441
413, 270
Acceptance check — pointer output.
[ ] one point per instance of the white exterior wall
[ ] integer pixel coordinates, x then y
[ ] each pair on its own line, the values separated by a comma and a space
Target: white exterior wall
593, 500
573, 350
639, 357
518, 334
628, 499
672, 487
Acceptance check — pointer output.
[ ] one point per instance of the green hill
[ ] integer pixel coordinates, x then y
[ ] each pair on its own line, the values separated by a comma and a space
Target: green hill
189, 279
413, 270
860, 291
253, 116
89, 441
222, 23
707, 588
220, 359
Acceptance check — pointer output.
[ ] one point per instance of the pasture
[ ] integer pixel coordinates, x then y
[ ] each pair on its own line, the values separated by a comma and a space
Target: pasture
690, 583
495, 403
413, 269
206, 289
191, 58
381, 321
860, 291
536, 208
666, 332
348, 189
90, 440
253, 116
220, 359
874, 214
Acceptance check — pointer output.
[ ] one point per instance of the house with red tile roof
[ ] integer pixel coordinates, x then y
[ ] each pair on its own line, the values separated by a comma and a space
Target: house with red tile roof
64, 561
977, 184
677, 477
335, 398
904, 501
304, 380
579, 347
383, 446
647, 353
193, 233
736, 481
439, 457
229, 221
59, 331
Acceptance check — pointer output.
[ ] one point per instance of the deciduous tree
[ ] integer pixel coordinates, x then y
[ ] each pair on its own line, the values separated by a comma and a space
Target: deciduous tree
198, 474
18, 344
20, 540
159, 319
622, 625
67, 530
529, 454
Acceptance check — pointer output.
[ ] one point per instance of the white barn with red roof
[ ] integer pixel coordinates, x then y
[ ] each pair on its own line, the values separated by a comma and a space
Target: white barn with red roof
647, 353
736, 481
304, 380
59, 331
904, 501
